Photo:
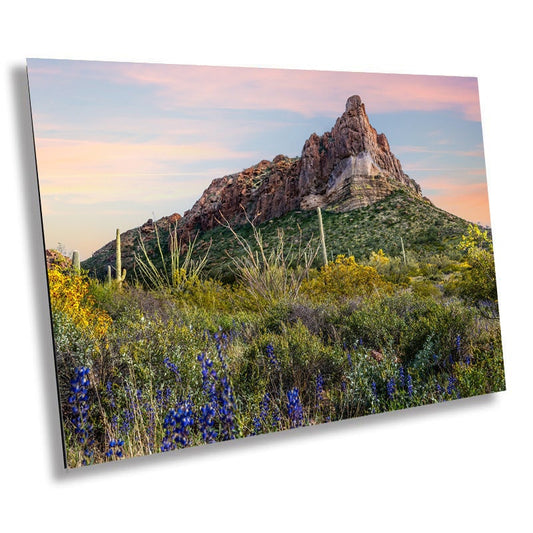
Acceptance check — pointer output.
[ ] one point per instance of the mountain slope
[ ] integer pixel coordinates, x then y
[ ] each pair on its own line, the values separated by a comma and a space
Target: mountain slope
424, 228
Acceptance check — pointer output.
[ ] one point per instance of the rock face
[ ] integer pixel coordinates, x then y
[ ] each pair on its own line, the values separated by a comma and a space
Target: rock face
266, 190
349, 167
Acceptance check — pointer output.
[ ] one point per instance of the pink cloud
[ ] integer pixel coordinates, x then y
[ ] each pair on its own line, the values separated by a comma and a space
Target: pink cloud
304, 91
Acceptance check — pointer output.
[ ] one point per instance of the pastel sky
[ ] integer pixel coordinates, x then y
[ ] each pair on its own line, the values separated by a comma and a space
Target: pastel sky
118, 143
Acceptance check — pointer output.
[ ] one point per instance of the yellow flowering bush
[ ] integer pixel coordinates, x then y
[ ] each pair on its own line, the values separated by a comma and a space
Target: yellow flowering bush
344, 278
69, 295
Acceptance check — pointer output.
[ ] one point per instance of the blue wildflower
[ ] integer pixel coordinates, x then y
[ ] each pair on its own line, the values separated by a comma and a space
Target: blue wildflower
177, 425
319, 389
272, 358
402, 377
173, 368
350, 362
226, 404
206, 422
294, 408
115, 448
80, 406
451, 385
109, 389
374, 390
391, 387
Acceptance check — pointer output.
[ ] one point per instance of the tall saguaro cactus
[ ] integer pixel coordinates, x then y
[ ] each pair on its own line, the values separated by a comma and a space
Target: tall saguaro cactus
76, 261
322, 237
403, 251
121, 273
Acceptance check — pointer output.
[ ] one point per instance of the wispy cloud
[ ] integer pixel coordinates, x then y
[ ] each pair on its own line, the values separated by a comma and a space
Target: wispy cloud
302, 91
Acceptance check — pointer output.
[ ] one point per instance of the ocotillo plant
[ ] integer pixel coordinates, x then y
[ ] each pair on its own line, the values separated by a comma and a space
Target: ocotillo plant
121, 273
76, 261
322, 237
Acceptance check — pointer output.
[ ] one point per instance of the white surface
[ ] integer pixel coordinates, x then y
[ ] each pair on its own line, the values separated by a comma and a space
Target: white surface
466, 466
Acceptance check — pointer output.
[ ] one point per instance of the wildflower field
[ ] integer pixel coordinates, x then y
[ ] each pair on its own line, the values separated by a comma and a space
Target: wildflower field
155, 364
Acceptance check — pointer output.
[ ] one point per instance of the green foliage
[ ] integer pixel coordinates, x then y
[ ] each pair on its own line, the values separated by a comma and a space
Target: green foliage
403, 323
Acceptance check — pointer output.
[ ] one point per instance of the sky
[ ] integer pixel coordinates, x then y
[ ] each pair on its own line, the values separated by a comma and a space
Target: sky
119, 143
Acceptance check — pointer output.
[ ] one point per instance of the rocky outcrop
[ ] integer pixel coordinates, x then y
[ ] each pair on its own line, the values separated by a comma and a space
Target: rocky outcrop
349, 167
262, 192
55, 259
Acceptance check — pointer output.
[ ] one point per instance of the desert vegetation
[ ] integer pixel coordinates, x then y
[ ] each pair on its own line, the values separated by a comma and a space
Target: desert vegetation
197, 346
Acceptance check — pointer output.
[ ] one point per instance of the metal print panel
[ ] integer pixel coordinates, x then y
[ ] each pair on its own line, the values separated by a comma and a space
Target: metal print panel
237, 251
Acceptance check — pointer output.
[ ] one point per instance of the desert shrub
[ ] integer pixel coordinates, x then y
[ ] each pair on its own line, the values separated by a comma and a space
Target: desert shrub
425, 288
342, 279
402, 323
292, 358
268, 277
379, 260
69, 295
479, 281
207, 294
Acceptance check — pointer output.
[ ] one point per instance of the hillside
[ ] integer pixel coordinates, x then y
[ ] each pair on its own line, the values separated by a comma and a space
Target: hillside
424, 228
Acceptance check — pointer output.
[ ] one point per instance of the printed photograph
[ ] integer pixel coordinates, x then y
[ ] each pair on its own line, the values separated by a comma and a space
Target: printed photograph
233, 252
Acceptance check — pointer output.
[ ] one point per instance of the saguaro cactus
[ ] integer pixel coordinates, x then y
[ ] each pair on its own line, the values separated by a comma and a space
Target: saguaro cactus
322, 237
120, 272
109, 277
403, 251
76, 261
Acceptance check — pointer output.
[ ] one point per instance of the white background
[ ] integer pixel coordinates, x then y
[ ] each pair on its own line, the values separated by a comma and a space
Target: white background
465, 466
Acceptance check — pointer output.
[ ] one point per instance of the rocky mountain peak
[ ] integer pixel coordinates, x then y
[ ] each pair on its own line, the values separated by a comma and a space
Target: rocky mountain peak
351, 165
348, 167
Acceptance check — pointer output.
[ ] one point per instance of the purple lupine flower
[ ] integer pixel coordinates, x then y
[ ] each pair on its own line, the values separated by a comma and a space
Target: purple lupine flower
272, 358
226, 404
173, 368
409, 385
206, 422
115, 448
294, 408
451, 385
391, 387
374, 390
319, 389
350, 362
402, 377
109, 389
177, 426
80, 406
